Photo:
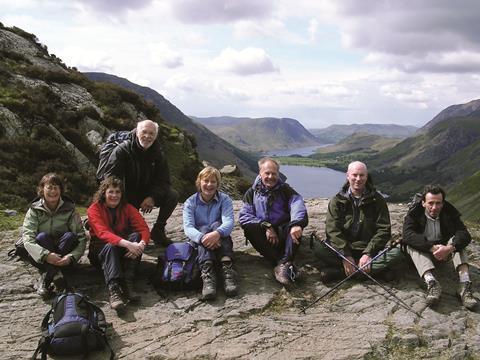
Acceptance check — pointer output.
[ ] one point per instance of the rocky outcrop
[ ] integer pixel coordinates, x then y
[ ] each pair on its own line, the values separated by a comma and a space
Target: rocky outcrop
359, 321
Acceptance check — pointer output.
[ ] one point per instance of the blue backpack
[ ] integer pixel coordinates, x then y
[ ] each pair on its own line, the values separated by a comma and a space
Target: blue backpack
179, 269
73, 326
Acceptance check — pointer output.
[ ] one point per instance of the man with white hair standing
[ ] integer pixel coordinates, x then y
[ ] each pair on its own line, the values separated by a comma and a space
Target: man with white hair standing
358, 227
142, 166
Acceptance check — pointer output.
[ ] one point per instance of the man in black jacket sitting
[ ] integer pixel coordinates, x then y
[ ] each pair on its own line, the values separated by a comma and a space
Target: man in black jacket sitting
142, 165
434, 233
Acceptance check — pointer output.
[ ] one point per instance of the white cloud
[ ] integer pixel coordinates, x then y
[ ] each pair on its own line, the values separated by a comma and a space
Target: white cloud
94, 60
248, 61
220, 11
115, 6
313, 30
161, 53
269, 28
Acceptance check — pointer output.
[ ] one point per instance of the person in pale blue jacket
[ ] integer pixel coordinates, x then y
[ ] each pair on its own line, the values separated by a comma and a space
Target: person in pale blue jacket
208, 222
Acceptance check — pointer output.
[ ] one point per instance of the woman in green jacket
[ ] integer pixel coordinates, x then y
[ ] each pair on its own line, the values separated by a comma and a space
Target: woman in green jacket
53, 234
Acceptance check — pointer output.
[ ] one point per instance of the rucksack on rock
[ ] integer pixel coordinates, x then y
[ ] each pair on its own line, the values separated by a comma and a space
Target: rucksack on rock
73, 326
113, 140
178, 269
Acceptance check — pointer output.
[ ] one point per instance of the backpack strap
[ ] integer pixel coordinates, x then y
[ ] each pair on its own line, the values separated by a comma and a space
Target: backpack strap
42, 347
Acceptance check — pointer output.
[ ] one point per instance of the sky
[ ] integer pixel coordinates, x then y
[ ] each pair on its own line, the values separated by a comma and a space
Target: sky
321, 62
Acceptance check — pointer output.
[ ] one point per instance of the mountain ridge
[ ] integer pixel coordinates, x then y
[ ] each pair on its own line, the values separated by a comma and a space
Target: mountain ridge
209, 146
261, 134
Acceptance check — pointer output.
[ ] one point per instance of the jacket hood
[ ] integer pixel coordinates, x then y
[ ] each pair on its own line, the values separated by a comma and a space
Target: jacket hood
67, 201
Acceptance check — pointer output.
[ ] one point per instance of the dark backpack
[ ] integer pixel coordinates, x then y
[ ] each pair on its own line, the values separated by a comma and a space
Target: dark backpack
178, 269
417, 198
73, 326
113, 140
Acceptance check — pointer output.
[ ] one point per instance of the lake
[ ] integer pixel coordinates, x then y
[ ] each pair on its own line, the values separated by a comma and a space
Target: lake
304, 151
313, 182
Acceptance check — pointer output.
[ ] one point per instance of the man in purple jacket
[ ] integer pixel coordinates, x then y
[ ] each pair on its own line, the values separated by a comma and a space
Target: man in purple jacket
273, 217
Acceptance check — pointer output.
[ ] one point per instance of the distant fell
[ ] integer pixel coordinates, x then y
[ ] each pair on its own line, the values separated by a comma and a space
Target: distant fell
261, 134
210, 147
470, 108
334, 133
361, 142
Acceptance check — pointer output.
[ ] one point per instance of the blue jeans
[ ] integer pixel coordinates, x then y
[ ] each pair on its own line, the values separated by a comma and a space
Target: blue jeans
283, 252
225, 249
61, 245
111, 259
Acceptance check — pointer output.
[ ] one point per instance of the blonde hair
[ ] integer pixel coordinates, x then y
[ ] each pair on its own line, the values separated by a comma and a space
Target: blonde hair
207, 172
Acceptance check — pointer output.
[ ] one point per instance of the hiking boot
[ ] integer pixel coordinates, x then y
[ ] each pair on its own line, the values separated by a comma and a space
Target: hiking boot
209, 279
229, 278
331, 274
465, 294
44, 286
281, 274
434, 290
115, 296
159, 237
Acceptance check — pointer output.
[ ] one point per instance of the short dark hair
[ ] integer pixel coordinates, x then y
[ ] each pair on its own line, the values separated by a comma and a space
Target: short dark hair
50, 179
433, 189
110, 181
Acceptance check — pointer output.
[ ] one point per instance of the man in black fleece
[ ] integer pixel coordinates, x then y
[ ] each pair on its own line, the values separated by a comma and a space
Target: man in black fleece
434, 233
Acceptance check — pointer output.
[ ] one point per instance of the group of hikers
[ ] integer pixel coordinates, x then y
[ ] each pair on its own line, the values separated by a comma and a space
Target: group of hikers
273, 216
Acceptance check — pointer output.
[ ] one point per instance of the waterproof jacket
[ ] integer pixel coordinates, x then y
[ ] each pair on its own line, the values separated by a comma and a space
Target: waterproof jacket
143, 172
279, 206
450, 226
40, 218
197, 214
374, 229
103, 228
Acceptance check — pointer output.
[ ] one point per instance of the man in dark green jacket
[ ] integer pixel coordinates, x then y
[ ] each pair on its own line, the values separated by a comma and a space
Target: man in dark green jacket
358, 226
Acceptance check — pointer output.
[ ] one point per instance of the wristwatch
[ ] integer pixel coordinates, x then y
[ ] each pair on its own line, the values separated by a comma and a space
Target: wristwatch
266, 225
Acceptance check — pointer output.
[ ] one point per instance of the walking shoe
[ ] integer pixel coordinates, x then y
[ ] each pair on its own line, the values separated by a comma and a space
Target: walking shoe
281, 274
434, 290
209, 279
44, 286
115, 296
465, 294
159, 237
331, 274
229, 278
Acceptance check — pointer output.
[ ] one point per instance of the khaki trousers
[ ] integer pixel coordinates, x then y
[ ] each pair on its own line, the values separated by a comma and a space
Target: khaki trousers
424, 261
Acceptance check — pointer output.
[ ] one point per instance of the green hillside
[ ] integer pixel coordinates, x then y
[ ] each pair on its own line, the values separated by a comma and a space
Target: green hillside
466, 197
361, 142
52, 118
261, 134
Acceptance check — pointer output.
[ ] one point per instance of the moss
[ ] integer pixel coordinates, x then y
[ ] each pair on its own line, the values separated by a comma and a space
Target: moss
10, 222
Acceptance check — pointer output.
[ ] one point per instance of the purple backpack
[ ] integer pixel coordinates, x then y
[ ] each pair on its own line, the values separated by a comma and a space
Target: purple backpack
179, 269
73, 326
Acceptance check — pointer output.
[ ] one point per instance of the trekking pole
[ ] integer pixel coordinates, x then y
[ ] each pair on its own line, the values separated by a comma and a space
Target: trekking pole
314, 236
388, 248
389, 291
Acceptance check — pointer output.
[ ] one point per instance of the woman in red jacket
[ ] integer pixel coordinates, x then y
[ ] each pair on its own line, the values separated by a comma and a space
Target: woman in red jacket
119, 235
